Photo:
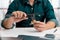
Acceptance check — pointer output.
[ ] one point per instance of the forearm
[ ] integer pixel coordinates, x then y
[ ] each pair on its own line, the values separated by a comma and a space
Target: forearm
50, 24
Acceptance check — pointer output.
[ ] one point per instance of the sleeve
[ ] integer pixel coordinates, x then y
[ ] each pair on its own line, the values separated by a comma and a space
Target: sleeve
49, 12
12, 7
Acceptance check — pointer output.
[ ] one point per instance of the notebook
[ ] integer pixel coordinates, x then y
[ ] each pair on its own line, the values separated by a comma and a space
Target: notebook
27, 37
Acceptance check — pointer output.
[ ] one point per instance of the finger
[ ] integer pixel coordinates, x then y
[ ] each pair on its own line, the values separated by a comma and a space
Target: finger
21, 14
39, 26
36, 26
24, 14
33, 21
18, 14
42, 23
18, 19
15, 14
24, 19
40, 29
38, 22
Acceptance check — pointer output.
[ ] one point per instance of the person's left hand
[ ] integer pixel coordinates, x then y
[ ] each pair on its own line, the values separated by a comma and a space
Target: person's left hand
40, 26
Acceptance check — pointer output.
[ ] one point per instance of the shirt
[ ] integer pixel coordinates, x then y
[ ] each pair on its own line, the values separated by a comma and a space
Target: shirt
42, 9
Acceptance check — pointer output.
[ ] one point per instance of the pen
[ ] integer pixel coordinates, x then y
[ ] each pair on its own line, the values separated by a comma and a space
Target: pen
55, 30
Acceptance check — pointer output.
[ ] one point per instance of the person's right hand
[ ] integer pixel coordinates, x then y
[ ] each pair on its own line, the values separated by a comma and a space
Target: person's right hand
17, 16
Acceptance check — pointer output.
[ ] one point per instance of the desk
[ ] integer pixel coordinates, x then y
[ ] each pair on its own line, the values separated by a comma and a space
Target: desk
27, 31
19, 31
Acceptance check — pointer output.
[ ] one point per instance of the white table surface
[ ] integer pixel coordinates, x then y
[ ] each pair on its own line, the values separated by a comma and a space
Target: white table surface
26, 31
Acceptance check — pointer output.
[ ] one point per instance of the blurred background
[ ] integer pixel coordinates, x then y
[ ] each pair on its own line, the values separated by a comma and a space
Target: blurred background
5, 3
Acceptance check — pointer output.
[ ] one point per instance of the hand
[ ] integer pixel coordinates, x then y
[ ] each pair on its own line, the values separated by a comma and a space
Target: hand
40, 26
19, 16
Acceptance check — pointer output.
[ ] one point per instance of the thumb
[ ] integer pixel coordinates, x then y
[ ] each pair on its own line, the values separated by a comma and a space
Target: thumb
24, 19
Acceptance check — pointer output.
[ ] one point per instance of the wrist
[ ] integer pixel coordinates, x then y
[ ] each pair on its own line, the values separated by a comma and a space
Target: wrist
49, 26
8, 23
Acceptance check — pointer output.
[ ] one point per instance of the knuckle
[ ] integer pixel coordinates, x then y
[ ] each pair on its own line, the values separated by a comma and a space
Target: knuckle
14, 13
